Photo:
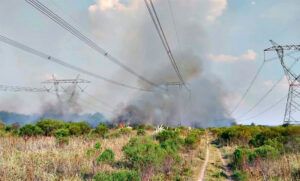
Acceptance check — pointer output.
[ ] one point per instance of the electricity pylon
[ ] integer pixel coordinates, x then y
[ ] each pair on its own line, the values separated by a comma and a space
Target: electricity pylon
72, 83
293, 100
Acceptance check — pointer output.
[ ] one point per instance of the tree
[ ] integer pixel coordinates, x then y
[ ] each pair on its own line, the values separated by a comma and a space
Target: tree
79, 128
30, 130
49, 126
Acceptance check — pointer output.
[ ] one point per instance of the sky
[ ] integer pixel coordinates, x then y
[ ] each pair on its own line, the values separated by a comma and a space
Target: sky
229, 36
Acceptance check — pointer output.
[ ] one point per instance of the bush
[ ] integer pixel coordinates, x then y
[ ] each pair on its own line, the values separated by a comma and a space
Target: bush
141, 132
242, 156
79, 128
123, 175
142, 153
296, 174
114, 135
107, 156
125, 131
102, 129
61, 133
166, 135
30, 130
172, 146
15, 132
240, 176
267, 152
144, 127
190, 142
49, 126
8, 128
96, 149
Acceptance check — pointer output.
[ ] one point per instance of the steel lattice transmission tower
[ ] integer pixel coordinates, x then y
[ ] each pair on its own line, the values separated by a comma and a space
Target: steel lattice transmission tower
293, 100
72, 85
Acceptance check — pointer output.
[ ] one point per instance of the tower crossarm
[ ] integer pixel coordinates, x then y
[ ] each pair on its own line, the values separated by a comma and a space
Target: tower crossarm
283, 47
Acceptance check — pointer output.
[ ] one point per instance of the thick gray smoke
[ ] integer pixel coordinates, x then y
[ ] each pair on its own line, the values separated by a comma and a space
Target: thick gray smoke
204, 106
65, 105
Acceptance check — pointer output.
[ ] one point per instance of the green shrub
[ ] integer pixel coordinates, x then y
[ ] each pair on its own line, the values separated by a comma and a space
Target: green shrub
8, 128
172, 146
295, 174
114, 135
30, 130
240, 176
125, 131
102, 129
190, 142
79, 128
242, 156
144, 127
96, 149
267, 152
143, 153
123, 175
166, 134
49, 126
15, 132
61, 133
141, 132
107, 156
98, 146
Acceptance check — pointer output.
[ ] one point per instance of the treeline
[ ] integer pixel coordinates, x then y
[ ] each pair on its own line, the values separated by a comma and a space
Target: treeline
258, 145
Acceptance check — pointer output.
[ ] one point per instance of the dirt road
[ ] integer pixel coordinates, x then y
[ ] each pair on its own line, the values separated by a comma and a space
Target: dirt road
205, 163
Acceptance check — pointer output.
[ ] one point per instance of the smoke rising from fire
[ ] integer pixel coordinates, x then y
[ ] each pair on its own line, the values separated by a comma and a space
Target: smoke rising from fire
143, 50
67, 103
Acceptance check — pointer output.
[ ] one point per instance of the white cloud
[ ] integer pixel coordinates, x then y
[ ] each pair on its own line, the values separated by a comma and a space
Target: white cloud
250, 55
253, 2
216, 9
104, 5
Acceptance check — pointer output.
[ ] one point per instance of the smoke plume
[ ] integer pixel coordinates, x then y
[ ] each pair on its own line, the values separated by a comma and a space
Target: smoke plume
204, 105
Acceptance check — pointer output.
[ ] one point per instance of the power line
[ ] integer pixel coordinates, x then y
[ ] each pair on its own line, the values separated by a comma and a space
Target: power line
64, 24
10, 88
262, 98
268, 108
98, 100
162, 36
268, 92
62, 63
174, 24
248, 89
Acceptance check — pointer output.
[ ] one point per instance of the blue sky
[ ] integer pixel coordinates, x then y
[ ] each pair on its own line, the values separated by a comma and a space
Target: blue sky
229, 36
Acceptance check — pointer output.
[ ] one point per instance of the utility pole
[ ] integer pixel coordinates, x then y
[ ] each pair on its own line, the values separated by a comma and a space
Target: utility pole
293, 100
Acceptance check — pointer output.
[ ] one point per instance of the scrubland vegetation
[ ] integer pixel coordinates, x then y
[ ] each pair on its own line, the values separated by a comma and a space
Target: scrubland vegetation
55, 150
262, 153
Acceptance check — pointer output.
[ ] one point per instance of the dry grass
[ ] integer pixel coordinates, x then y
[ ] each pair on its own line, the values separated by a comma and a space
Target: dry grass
280, 169
41, 159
